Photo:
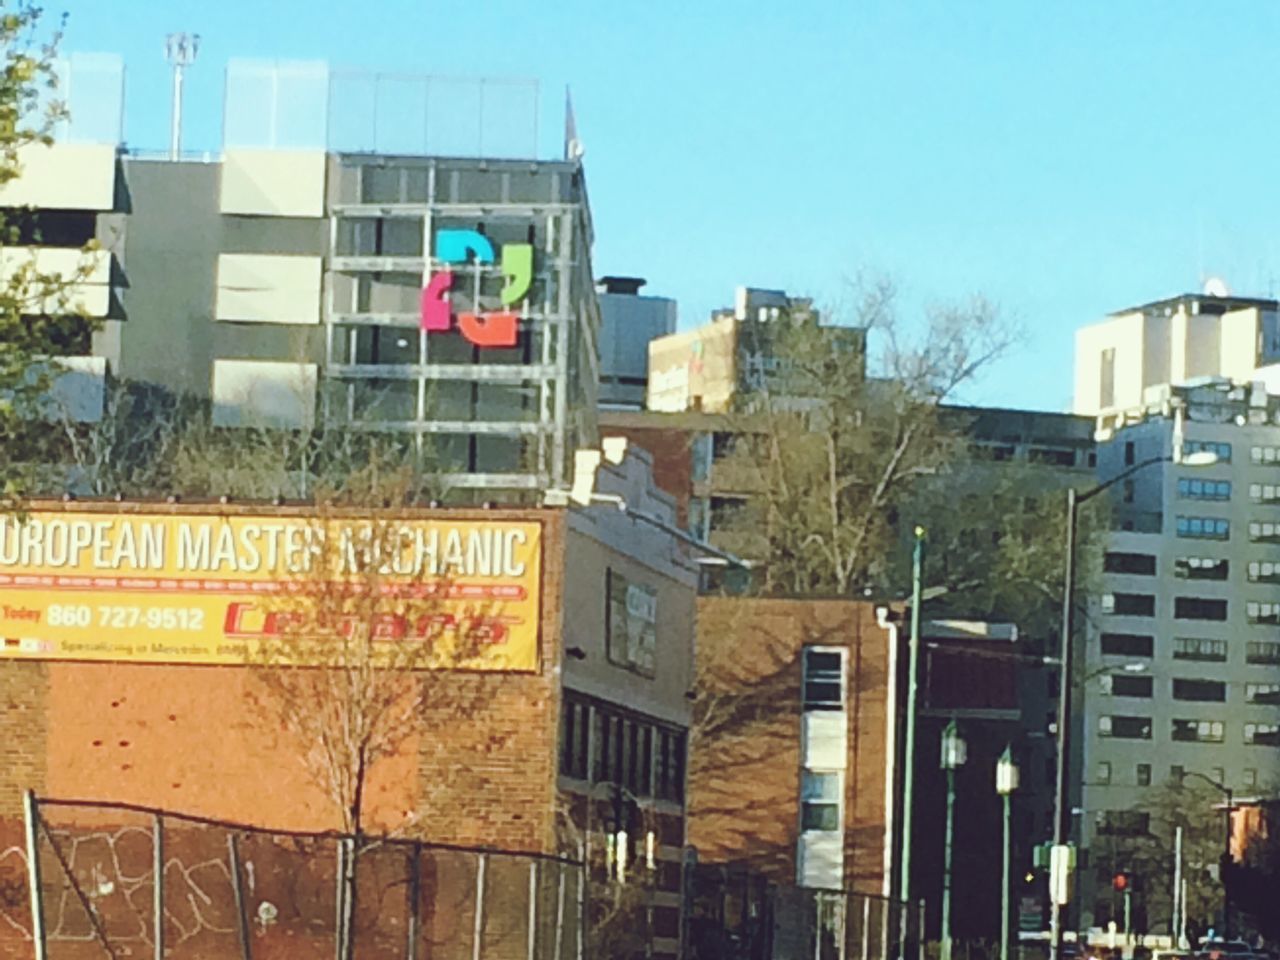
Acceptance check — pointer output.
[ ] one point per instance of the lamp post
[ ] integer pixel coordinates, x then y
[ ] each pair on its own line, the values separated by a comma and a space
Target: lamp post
1226, 847
909, 735
1006, 784
954, 751
1062, 812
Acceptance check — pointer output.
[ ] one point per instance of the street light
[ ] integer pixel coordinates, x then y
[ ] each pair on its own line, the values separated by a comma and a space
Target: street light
1062, 811
954, 751
1006, 784
1226, 851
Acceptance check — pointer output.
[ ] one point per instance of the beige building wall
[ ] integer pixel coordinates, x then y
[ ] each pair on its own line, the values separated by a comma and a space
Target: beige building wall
697, 370
64, 176
1239, 333
1115, 359
1193, 346
279, 183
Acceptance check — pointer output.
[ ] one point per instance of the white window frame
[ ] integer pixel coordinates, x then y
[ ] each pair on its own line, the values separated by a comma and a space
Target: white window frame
843, 653
806, 772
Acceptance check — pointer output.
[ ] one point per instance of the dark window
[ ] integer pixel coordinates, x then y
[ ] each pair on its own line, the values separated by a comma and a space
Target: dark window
1197, 731
604, 746
1123, 685
1127, 645
1053, 456
1262, 693
1201, 568
820, 801
1208, 690
1176, 773
1200, 649
1130, 604
1199, 608
1144, 774
1128, 453
722, 445
1129, 823
1125, 728
1129, 487
823, 679
1141, 564
1264, 613
726, 512
1262, 651
575, 726
1262, 734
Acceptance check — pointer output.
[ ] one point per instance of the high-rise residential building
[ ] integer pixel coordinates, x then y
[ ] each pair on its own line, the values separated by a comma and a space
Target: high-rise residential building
1173, 341
629, 321
1180, 671
355, 260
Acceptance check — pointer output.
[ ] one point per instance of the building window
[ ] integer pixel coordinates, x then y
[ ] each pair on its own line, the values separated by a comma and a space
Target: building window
1126, 823
823, 679
1129, 453
1218, 774
1198, 731
1264, 492
1125, 728
1264, 571
1177, 773
1262, 651
1128, 488
1267, 693
1262, 734
1214, 691
1201, 568
699, 517
1204, 528
1127, 645
669, 772
1144, 774
1138, 564
820, 801
1199, 608
1200, 649
1220, 450
1104, 773
1053, 456
575, 726
1250, 778
1125, 685
1265, 456
1264, 531
1193, 488
1107, 378
700, 457
727, 512
1263, 613
1129, 604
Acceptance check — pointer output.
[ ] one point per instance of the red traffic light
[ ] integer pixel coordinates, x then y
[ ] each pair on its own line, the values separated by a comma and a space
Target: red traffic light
1120, 881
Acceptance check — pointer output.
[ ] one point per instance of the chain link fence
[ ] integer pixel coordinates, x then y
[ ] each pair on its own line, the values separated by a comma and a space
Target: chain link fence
227, 890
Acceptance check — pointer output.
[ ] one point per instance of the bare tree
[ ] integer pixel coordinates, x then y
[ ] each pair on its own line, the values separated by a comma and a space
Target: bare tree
836, 445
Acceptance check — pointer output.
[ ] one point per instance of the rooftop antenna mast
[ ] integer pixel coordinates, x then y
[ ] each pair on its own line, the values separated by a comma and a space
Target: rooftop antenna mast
180, 50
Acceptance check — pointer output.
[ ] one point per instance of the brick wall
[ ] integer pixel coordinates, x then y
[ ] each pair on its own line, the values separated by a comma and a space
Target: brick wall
746, 759
672, 460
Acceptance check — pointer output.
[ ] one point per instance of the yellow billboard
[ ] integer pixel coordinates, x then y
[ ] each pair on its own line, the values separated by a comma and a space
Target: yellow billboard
213, 588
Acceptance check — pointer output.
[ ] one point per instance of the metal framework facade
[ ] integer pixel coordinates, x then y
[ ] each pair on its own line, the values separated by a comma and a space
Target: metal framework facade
492, 418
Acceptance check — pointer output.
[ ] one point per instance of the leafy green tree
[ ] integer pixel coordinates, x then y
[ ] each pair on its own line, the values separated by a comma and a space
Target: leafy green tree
38, 318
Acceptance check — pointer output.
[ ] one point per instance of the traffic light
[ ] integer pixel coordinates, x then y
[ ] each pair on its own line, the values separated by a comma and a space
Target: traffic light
1120, 881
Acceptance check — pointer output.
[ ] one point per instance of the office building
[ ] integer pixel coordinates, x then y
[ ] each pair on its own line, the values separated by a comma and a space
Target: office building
1174, 341
1181, 665
628, 322
708, 368
401, 280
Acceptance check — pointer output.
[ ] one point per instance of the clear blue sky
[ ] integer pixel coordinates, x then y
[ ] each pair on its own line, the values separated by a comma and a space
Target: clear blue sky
1063, 158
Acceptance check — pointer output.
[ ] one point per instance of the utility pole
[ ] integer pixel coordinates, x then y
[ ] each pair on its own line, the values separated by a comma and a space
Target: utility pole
180, 50
909, 739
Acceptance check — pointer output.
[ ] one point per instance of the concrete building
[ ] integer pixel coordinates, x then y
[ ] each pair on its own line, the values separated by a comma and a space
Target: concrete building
416, 287
1181, 665
1173, 341
577, 730
706, 368
628, 323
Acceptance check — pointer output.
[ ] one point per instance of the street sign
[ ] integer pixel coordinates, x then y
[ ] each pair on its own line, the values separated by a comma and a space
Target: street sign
1062, 861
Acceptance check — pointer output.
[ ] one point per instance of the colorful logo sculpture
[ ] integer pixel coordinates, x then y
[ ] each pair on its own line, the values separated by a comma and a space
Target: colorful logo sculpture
496, 329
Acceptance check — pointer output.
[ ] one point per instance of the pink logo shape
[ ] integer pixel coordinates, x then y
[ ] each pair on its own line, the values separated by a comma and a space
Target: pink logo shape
435, 309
